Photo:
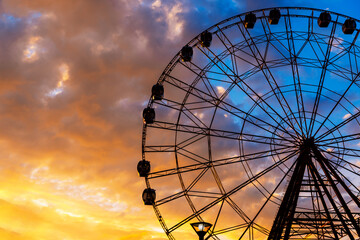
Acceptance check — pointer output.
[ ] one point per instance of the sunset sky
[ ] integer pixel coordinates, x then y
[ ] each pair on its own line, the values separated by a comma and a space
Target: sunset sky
75, 77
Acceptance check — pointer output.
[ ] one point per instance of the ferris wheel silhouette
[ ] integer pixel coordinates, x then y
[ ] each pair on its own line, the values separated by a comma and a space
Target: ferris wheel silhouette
254, 127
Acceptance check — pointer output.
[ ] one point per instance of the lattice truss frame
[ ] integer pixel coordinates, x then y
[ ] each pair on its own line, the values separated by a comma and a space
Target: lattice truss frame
259, 133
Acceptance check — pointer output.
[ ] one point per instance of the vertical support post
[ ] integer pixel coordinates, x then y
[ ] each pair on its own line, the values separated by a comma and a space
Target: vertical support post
285, 215
321, 159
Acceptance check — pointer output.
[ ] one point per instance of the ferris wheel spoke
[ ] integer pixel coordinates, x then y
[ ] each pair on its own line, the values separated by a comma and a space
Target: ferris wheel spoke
269, 76
264, 108
231, 48
227, 107
188, 141
201, 75
236, 227
316, 176
231, 52
337, 103
234, 190
159, 148
342, 72
185, 192
209, 87
196, 130
348, 154
345, 50
327, 168
349, 170
340, 125
238, 82
211, 232
349, 182
293, 61
192, 156
352, 165
322, 79
295, 73
190, 106
237, 209
169, 198
318, 40
317, 60
338, 56
192, 117
269, 198
269, 38
228, 229
243, 76
349, 151
218, 162
343, 138
252, 71
187, 109
217, 76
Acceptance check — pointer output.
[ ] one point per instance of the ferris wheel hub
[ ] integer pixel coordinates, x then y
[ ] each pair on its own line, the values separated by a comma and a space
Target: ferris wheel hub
307, 144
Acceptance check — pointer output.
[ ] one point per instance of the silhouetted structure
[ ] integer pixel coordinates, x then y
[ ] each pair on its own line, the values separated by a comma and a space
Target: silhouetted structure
157, 92
205, 39
324, 19
283, 93
349, 26
186, 53
274, 16
250, 20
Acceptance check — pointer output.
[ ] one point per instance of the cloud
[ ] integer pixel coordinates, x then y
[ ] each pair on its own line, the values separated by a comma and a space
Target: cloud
74, 79
346, 116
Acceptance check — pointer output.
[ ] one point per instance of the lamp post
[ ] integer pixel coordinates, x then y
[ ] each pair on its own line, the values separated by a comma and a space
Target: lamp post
201, 228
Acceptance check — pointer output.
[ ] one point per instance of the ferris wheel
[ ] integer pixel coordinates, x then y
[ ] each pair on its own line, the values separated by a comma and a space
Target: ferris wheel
254, 127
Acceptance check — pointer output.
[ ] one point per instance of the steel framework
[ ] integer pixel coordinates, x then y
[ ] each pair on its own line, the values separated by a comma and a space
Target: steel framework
259, 132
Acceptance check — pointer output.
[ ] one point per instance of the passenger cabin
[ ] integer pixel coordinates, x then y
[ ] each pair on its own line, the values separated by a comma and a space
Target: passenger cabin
149, 196
143, 168
205, 39
324, 19
274, 16
250, 20
157, 92
186, 53
349, 26
148, 115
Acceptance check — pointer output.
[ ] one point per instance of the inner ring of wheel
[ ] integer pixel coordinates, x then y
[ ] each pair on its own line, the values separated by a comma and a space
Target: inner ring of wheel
241, 146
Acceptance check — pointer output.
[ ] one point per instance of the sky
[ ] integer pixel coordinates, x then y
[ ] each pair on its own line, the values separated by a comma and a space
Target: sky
75, 77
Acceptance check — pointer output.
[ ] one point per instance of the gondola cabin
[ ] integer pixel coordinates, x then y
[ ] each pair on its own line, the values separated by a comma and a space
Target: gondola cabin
148, 115
349, 26
157, 92
143, 168
205, 39
324, 19
250, 20
274, 16
186, 53
149, 196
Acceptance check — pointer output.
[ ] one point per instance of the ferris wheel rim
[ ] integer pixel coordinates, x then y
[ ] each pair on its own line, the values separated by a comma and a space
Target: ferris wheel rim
196, 38
173, 62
